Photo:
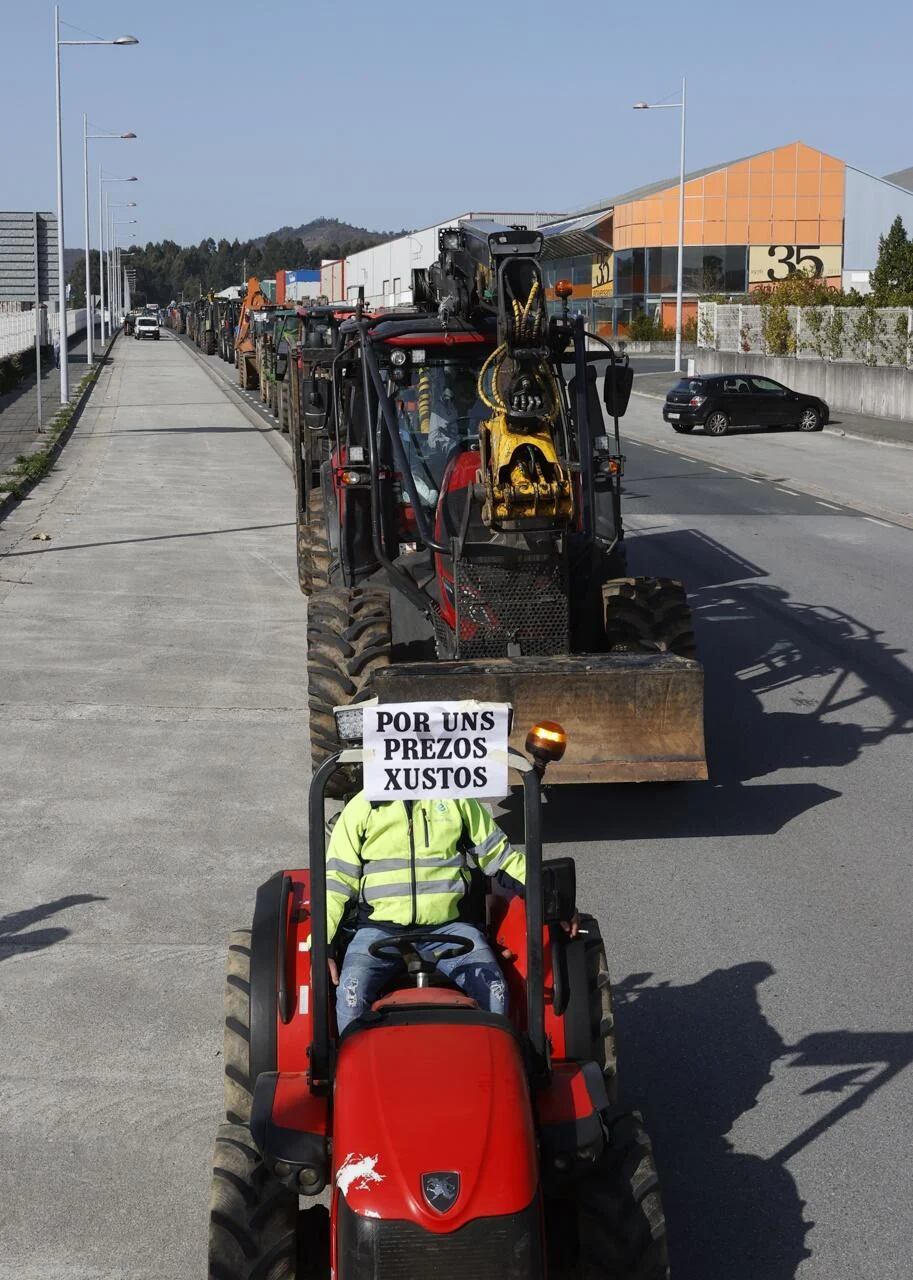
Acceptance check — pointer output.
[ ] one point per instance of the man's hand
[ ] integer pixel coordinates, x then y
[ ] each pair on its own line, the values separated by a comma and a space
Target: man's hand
334, 971
571, 927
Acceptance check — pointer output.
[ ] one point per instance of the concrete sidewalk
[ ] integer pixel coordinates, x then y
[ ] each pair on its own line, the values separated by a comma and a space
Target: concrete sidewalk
19, 408
153, 759
879, 430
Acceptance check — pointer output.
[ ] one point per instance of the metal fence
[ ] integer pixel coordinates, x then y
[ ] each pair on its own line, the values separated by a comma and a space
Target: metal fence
862, 335
17, 328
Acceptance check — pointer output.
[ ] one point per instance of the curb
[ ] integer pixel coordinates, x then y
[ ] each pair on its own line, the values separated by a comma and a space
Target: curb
10, 500
828, 431
279, 443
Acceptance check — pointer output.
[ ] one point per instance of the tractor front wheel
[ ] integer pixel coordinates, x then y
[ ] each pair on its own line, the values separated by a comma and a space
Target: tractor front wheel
648, 615
614, 1227
256, 1230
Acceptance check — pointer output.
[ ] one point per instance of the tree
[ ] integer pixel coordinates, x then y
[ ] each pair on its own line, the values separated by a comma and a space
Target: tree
892, 278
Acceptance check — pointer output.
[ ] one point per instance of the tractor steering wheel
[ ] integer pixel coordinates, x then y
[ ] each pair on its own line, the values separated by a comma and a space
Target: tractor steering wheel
405, 947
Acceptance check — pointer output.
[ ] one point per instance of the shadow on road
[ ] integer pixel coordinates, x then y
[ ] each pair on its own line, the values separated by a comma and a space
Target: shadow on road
696, 1057
156, 537
13, 940
849, 688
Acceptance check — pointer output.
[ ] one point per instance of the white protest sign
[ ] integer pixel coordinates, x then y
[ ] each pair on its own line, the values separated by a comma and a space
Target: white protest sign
448, 750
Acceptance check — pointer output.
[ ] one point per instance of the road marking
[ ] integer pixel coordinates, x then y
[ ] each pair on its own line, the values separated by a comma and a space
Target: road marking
830, 506
721, 471
884, 524
751, 480
791, 492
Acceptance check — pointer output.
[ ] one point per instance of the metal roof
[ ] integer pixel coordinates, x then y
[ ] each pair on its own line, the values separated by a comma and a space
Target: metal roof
574, 236
902, 178
651, 188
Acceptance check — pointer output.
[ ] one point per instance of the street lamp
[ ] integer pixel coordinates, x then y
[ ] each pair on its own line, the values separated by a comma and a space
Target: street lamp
62, 284
105, 233
118, 282
90, 325
659, 106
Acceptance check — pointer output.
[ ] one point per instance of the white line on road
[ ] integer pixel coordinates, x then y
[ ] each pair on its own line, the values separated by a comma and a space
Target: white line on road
791, 492
884, 524
721, 471
830, 506
751, 480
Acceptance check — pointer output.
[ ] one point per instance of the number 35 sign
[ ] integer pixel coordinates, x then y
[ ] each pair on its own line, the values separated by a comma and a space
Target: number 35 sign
777, 261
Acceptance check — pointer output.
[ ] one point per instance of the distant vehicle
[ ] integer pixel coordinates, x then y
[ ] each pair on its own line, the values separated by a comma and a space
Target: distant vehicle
720, 401
146, 327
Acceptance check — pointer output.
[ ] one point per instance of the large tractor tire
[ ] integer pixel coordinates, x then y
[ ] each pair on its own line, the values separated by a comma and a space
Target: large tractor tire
648, 615
313, 546
238, 1086
256, 1231
349, 638
602, 1013
209, 342
611, 1225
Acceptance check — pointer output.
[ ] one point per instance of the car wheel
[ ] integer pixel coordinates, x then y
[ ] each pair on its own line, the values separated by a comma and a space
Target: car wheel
717, 424
682, 427
810, 420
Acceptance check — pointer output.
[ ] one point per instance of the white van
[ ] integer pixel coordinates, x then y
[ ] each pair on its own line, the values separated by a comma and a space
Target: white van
146, 327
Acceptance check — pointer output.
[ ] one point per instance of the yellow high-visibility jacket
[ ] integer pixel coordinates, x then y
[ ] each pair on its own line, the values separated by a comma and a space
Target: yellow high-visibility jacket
408, 863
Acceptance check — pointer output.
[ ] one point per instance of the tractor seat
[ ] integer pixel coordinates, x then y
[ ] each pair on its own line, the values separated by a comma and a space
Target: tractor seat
439, 997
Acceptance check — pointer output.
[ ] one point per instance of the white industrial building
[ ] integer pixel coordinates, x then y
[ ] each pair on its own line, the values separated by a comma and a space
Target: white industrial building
385, 270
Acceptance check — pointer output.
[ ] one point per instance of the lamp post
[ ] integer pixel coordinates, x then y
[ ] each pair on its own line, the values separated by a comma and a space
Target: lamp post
108, 237
86, 138
62, 284
118, 278
659, 106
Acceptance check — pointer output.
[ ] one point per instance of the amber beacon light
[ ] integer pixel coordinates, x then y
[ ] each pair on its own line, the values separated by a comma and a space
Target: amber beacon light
546, 742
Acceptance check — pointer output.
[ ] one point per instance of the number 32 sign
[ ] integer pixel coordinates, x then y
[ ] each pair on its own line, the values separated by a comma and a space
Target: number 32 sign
778, 261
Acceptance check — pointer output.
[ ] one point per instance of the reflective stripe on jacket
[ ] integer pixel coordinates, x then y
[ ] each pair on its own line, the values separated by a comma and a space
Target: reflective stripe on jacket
413, 869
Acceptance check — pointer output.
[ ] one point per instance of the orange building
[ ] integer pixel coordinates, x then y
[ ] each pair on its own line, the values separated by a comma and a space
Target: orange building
748, 222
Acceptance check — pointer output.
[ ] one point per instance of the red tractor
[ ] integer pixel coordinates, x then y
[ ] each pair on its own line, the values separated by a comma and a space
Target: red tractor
450, 1143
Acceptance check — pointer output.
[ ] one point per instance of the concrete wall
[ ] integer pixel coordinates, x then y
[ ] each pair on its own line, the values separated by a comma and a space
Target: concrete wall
880, 392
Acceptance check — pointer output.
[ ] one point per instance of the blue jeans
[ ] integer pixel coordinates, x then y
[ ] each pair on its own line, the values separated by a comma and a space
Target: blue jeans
363, 976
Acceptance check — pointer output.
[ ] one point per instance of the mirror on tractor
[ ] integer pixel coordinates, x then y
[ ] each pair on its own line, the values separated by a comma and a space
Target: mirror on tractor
559, 890
281, 364
616, 391
315, 402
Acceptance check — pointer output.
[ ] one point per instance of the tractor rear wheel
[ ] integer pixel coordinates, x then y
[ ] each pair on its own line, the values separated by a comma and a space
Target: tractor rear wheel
314, 555
256, 1231
648, 615
614, 1227
238, 1085
349, 638
602, 1014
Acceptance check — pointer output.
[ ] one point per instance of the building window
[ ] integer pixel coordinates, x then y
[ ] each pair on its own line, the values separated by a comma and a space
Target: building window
705, 269
397, 284
386, 288
630, 270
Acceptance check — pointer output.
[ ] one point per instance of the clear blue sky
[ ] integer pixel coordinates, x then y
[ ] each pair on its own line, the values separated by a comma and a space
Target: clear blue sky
257, 113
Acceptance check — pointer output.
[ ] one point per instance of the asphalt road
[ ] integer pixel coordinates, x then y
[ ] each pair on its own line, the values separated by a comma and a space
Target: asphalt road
152, 769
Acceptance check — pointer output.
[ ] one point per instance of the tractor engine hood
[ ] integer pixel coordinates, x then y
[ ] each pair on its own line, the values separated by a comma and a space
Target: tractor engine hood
433, 1123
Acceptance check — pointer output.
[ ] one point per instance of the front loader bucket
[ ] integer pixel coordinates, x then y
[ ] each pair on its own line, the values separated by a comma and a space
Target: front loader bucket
630, 717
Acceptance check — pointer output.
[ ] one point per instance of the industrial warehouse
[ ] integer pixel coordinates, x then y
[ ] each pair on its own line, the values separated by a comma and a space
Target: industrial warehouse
747, 222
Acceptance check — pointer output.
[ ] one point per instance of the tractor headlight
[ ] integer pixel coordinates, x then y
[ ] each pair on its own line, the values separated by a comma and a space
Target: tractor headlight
349, 722
398, 358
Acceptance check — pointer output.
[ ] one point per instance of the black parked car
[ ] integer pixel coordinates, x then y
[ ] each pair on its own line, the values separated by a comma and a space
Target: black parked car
717, 402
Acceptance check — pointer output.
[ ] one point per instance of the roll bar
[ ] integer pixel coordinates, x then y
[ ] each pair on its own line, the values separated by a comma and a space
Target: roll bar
321, 1048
